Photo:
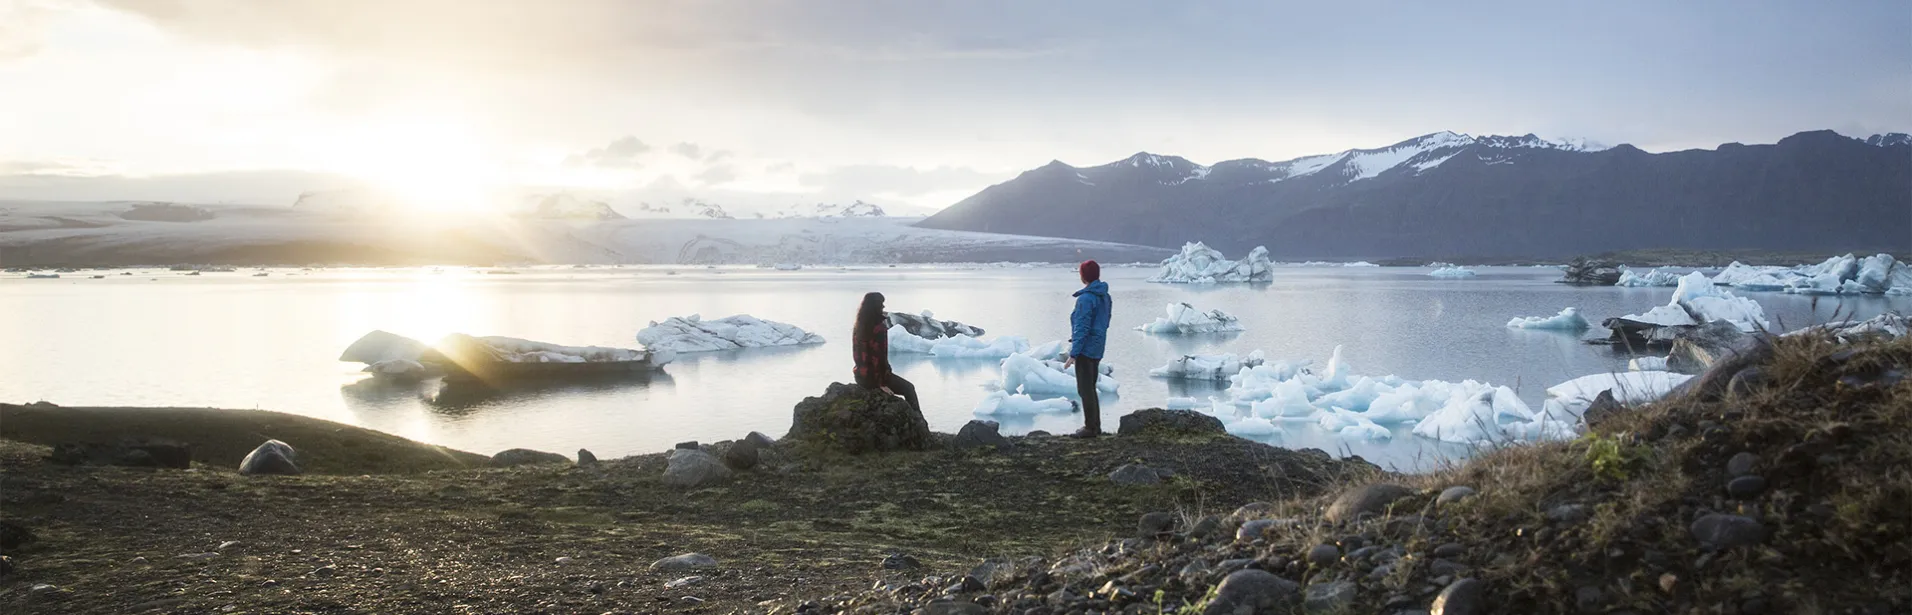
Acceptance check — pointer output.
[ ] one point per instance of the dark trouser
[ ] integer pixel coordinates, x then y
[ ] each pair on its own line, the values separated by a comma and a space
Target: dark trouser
896, 384
1087, 370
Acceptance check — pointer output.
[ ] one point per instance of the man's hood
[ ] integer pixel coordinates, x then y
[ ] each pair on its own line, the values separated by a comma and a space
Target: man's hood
1097, 287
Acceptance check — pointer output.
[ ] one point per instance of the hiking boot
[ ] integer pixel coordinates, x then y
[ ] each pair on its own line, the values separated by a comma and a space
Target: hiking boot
1086, 433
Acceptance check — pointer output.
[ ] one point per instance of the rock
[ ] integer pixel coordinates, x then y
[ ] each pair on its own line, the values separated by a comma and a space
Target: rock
1741, 464
1155, 525
227, 545
1746, 487
586, 459
756, 438
1445, 568
1747, 382
1323, 555
1723, 531
1452, 549
689, 467
1454, 494
1567, 514
524, 456
1253, 591
688, 445
1330, 598
1710, 385
953, 607
856, 420
272, 457
1254, 529
1038, 434
901, 561
1251, 510
1462, 597
742, 455
1135, 474
1169, 422
1373, 498
43, 592
1590, 272
563, 560
1697, 349
1204, 528
14, 536
979, 434
687, 561
324, 572
1604, 406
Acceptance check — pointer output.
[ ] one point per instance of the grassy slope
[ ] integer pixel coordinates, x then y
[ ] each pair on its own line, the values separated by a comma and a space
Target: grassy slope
223, 437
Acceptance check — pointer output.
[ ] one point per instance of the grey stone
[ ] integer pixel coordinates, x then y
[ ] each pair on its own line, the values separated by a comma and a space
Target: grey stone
1134, 474
1746, 487
689, 467
1195, 573
1254, 529
272, 457
1697, 349
1454, 494
1452, 549
1604, 406
1723, 531
688, 445
687, 561
1253, 591
901, 561
1462, 597
855, 420
742, 455
586, 459
1330, 598
1251, 510
1155, 525
759, 440
979, 434
1169, 422
1373, 498
1444, 567
324, 572
1747, 382
1741, 464
525, 456
1323, 555
1204, 528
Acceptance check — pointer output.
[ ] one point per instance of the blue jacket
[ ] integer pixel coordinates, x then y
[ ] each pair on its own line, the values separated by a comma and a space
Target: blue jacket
1089, 325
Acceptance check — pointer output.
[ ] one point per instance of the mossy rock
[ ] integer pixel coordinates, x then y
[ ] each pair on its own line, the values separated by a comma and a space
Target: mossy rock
855, 420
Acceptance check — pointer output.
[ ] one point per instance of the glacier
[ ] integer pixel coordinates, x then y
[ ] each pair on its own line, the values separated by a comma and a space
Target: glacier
1569, 319
694, 334
1200, 264
1184, 319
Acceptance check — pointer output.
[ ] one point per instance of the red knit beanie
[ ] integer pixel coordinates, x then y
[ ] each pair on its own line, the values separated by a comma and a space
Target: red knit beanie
1090, 271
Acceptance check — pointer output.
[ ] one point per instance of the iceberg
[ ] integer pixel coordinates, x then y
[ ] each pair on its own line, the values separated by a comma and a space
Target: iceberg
1200, 264
1656, 277
1184, 319
1207, 367
1030, 373
1576, 395
1875, 273
693, 334
1568, 319
1708, 303
1249, 426
1004, 403
1888, 326
926, 326
1482, 415
1647, 364
1444, 270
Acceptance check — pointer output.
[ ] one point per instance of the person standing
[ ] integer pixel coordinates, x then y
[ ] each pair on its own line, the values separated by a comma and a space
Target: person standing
1088, 336
870, 342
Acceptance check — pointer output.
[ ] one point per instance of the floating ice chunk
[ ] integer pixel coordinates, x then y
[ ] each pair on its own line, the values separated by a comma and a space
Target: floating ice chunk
1181, 403
1207, 367
1900, 281
958, 347
1408, 403
1576, 395
1656, 277
1647, 364
1356, 397
397, 369
1741, 275
1875, 273
1475, 413
1184, 319
1287, 399
1568, 319
1250, 426
1200, 264
1001, 403
1353, 426
1888, 326
1763, 282
1707, 303
380, 346
693, 334
1026, 374
514, 350
1451, 271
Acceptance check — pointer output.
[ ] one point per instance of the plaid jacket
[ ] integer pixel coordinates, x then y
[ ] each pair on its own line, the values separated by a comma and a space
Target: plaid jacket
872, 350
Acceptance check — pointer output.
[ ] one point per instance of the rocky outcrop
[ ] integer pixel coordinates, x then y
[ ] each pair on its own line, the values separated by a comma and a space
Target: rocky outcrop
1156, 421
272, 457
855, 420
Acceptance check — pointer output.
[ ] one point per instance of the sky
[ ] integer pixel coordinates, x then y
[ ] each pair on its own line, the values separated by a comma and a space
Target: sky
891, 101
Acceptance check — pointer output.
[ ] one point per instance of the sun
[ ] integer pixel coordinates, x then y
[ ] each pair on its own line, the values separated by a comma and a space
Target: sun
422, 165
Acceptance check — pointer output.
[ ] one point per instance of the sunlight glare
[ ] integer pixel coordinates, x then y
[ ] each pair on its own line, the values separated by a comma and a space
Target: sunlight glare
426, 166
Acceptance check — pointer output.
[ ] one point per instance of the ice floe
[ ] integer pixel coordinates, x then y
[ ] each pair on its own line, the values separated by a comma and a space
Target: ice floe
1206, 367
1184, 319
1002, 403
694, 334
1443, 270
1695, 301
1656, 277
1569, 319
1040, 371
1839, 275
1646, 364
958, 347
1200, 264
1576, 395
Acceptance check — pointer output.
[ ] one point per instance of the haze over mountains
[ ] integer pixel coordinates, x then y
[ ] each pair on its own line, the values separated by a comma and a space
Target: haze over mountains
1453, 195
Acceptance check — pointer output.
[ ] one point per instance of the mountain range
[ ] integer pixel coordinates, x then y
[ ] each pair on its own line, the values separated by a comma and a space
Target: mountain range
1453, 195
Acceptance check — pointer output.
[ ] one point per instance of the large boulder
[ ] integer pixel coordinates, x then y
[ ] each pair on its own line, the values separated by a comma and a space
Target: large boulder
979, 434
1169, 422
524, 457
855, 420
272, 457
689, 467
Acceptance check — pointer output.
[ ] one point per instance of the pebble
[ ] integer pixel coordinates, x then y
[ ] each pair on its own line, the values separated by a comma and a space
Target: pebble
324, 572
1155, 525
1722, 531
1452, 549
1463, 597
1323, 555
1135, 474
1454, 494
1445, 568
1741, 464
562, 560
1374, 499
137, 561
1205, 528
1253, 591
683, 582
686, 561
1746, 487
1252, 530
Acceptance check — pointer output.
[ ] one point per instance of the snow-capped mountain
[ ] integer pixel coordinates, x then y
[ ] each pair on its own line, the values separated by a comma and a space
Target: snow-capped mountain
1890, 139
564, 206
1452, 195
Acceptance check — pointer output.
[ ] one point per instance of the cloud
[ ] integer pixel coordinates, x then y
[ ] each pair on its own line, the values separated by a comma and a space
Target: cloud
270, 187
688, 150
620, 154
906, 181
21, 27
781, 167
720, 174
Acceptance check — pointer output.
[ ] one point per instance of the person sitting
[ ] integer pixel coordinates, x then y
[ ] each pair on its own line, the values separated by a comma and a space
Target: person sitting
871, 343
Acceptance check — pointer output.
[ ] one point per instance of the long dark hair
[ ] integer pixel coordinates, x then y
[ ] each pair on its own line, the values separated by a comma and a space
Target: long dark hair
870, 313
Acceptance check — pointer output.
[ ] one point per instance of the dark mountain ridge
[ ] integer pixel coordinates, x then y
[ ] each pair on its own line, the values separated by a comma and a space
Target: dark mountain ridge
1452, 195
